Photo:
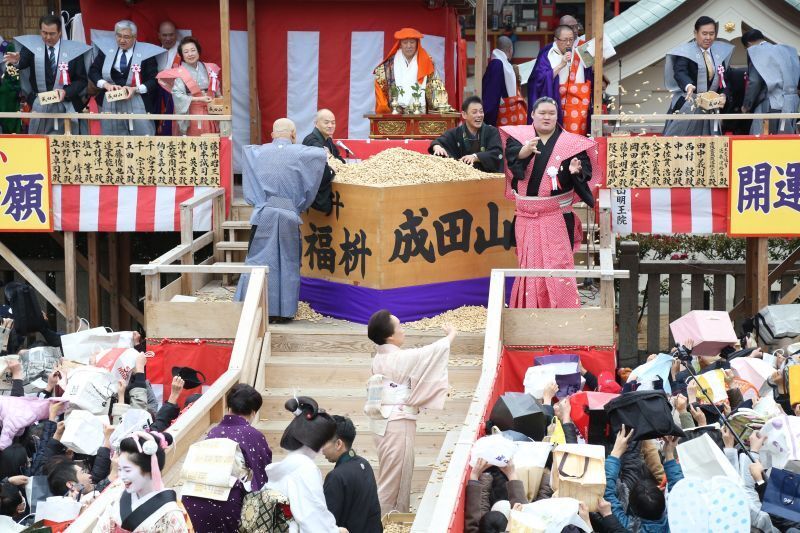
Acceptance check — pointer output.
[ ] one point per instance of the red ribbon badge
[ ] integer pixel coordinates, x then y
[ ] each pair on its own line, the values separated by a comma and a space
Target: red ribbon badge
721, 72
137, 78
63, 72
213, 84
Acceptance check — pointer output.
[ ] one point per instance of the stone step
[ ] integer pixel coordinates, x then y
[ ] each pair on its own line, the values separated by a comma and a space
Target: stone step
342, 372
350, 403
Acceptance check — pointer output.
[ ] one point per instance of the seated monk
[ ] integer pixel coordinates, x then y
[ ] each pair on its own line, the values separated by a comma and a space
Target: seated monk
473, 142
406, 65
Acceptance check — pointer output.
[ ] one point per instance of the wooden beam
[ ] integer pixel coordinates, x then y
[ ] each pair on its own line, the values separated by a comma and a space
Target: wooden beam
34, 280
70, 281
94, 282
122, 289
791, 296
113, 274
480, 43
757, 275
255, 114
217, 218
225, 40
597, 27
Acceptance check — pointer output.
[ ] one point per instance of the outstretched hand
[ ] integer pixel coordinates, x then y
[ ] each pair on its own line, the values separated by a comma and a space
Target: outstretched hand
621, 444
575, 166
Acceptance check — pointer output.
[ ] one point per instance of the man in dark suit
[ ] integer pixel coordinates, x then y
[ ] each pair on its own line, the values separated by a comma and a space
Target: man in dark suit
131, 65
322, 137
351, 492
51, 64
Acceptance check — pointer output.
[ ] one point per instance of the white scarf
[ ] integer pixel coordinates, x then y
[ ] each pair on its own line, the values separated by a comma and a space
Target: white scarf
405, 76
508, 71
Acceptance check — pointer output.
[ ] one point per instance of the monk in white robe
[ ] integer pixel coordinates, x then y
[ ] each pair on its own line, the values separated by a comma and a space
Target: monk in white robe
410, 379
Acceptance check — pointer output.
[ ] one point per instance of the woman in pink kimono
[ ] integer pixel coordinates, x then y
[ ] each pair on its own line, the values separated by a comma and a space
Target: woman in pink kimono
193, 85
144, 506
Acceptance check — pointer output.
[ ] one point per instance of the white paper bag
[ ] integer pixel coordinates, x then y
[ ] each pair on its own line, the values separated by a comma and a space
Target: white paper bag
211, 468
83, 344
530, 459
58, 509
713, 383
89, 388
119, 361
537, 378
83, 432
547, 516
753, 370
132, 421
702, 458
495, 449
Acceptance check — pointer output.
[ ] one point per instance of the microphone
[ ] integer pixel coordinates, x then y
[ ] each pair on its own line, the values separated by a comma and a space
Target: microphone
341, 145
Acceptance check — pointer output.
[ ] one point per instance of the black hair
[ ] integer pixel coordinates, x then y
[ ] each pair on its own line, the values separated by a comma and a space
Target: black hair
493, 522
60, 475
751, 36
243, 399
49, 20
13, 460
474, 99
646, 500
189, 40
141, 459
311, 426
10, 498
705, 21
380, 326
543, 100
345, 430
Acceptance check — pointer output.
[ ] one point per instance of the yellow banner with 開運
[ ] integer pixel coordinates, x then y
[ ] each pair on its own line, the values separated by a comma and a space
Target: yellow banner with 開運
765, 187
25, 200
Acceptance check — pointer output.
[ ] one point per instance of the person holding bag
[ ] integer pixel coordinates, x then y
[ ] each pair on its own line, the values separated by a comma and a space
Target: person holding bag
646, 504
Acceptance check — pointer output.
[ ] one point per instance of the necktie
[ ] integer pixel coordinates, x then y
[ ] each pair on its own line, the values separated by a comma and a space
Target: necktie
123, 61
709, 65
51, 56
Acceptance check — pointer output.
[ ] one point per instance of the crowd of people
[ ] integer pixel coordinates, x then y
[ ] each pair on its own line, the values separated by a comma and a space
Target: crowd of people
686, 443
122, 75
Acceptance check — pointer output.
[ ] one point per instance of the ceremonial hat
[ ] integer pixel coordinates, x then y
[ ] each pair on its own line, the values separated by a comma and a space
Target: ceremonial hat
407, 33
311, 426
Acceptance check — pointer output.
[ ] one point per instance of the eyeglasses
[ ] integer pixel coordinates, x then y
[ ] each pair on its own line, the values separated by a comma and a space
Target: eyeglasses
566, 40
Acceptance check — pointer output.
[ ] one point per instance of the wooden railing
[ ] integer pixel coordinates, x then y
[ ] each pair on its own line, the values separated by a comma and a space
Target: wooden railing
708, 289
252, 339
223, 120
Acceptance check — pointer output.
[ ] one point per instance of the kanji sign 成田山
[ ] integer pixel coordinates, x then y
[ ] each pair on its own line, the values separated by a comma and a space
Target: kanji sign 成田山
765, 187
24, 184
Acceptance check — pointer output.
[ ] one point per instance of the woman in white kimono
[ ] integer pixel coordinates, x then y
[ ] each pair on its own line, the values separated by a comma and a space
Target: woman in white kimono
193, 85
144, 506
297, 477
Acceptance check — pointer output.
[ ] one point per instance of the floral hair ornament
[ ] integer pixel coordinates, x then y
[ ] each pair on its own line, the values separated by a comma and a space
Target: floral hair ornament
149, 445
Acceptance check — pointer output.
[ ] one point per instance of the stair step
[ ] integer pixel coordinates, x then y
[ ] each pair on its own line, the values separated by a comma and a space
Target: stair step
333, 341
427, 444
236, 224
434, 486
283, 371
350, 403
232, 245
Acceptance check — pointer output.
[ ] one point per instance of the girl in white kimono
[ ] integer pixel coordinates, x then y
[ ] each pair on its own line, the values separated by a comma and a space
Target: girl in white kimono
297, 477
193, 85
144, 506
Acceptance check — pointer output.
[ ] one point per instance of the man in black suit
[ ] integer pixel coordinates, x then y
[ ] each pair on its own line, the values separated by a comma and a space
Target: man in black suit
51, 64
322, 137
130, 65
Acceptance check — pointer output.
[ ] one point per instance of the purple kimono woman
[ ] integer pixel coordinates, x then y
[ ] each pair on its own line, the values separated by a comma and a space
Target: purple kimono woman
244, 403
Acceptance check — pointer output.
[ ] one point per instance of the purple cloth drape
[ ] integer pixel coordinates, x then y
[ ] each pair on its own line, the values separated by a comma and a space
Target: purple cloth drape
494, 89
350, 302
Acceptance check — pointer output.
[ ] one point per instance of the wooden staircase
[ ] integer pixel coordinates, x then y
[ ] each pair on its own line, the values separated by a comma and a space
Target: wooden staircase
331, 363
